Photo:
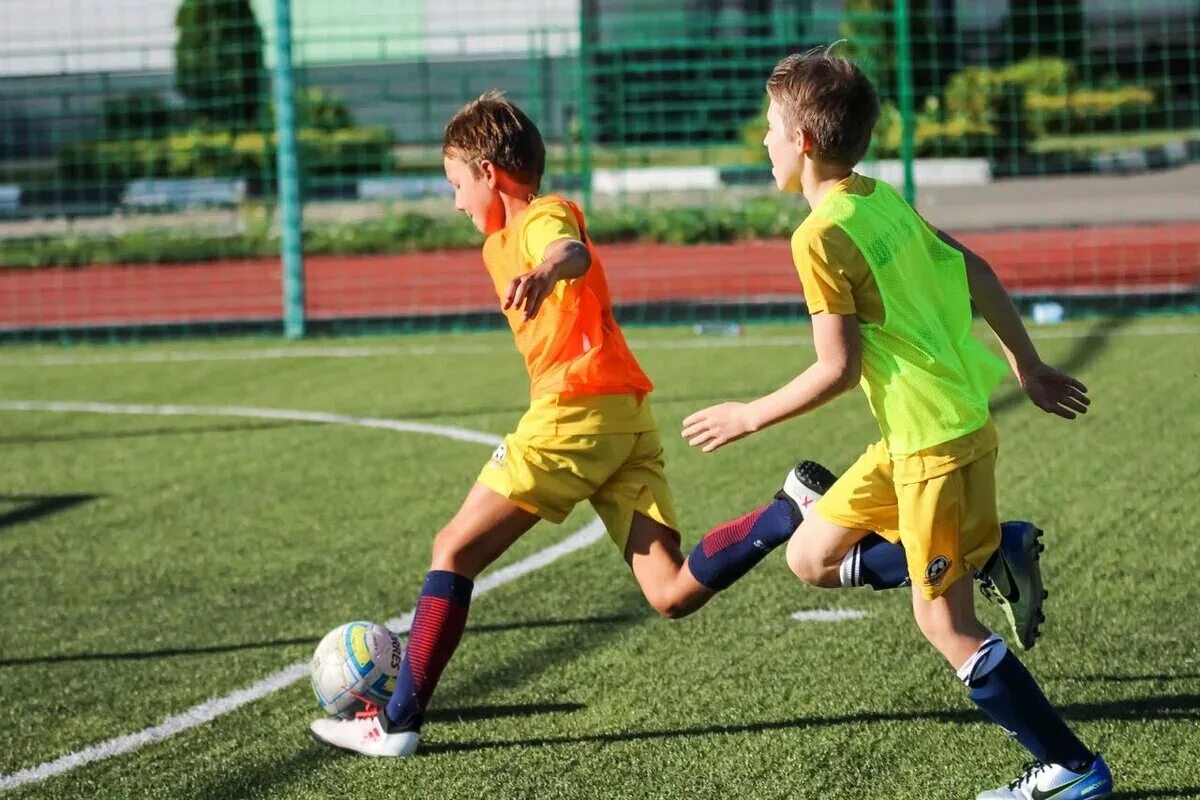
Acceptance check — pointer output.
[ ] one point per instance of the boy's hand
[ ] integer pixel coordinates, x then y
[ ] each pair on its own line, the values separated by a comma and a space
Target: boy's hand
717, 426
531, 289
1054, 391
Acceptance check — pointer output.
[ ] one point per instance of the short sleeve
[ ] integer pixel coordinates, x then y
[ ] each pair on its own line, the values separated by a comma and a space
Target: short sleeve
817, 252
546, 223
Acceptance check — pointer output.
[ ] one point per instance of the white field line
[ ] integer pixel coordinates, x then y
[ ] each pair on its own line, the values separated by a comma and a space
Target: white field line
437, 350
828, 615
215, 707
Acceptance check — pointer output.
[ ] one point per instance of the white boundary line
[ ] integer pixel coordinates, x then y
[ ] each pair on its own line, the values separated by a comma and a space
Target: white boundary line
828, 614
418, 350
215, 707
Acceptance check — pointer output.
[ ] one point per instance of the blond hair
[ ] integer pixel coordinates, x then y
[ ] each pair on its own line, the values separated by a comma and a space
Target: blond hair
494, 129
830, 99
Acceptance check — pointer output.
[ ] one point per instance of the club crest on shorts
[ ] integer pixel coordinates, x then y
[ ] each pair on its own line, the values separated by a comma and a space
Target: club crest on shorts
936, 571
498, 456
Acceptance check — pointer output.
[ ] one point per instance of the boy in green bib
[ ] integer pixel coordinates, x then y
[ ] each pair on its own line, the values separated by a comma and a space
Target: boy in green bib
890, 298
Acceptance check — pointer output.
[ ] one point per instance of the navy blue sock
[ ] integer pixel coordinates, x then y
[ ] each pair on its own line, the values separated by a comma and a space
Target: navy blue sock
731, 550
1004, 689
437, 628
875, 562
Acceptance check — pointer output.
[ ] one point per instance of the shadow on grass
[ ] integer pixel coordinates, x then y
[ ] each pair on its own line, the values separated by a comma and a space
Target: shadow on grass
32, 507
1184, 707
141, 655
1178, 676
475, 713
572, 640
1084, 351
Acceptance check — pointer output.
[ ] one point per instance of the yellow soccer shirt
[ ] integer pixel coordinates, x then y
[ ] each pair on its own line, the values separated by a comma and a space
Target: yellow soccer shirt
837, 280
550, 414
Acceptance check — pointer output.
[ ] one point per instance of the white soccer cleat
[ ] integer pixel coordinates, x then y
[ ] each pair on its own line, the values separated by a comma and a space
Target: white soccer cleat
1056, 782
365, 735
804, 486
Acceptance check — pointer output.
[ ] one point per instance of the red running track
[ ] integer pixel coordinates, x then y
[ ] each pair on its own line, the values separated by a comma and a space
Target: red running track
1118, 259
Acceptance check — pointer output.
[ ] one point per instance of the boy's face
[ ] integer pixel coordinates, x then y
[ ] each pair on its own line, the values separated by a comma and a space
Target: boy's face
785, 148
476, 195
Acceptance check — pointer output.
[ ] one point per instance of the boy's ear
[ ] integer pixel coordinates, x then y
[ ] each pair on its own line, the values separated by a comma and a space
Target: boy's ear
804, 143
487, 171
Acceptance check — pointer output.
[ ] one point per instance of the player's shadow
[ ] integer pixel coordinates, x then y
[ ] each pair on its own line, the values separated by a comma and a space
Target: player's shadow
567, 640
30, 507
1160, 707
140, 655
1085, 350
284, 771
136, 433
475, 713
1176, 676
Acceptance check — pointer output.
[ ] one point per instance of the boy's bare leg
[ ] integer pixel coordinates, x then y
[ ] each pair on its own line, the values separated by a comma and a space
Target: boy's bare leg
949, 622
816, 551
485, 526
659, 567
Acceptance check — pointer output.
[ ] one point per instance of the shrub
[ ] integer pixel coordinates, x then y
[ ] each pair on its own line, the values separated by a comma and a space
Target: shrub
1090, 110
202, 154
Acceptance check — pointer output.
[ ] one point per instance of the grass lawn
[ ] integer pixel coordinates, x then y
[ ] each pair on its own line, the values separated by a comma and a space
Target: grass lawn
151, 562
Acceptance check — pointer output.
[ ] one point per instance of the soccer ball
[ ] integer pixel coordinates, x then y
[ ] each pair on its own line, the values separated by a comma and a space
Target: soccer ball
355, 662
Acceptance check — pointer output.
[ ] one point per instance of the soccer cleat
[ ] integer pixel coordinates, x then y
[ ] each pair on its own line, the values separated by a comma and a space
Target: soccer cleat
1012, 580
1056, 782
804, 486
365, 735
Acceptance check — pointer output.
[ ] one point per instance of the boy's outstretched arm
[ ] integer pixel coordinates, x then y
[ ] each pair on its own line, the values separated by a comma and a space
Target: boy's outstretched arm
565, 259
1050, 390
836, 371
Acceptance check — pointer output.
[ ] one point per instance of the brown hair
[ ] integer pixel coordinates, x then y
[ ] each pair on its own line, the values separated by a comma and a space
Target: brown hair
830, 99
493, 128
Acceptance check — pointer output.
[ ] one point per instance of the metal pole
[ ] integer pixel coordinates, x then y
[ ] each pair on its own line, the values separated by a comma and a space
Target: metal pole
904, 81
288, 175
587, 16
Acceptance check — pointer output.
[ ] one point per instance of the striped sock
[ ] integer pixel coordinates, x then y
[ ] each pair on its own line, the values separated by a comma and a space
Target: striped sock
437, 628
875, 562
731, 550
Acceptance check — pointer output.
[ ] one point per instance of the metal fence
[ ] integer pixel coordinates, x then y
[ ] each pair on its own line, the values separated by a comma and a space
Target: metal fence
212, 165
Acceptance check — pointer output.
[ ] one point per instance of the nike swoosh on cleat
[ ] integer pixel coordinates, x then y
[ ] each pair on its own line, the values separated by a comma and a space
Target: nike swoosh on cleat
1038, 794
1012, 584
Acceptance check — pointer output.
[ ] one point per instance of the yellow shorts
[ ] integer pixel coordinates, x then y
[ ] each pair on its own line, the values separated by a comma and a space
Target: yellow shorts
945, 516
620, 473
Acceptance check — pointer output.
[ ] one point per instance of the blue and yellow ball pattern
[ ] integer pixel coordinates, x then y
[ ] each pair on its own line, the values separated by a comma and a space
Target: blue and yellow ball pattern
355, 663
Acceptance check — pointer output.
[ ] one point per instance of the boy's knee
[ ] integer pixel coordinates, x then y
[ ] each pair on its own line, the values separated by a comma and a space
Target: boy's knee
808, 566
450, 555
670, 604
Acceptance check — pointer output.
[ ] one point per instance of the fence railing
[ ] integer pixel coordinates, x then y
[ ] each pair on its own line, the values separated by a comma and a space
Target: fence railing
156, 172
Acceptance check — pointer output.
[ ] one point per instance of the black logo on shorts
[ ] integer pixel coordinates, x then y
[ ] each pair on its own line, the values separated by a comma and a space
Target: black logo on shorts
499, 455
936, 571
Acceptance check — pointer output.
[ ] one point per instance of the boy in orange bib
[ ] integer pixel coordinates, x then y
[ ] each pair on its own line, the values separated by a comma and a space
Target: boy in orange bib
589, 433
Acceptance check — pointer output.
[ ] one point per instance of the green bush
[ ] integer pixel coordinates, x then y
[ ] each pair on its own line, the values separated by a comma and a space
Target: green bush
203, 154
765, 217
971, 94
987, 112
1085, 111
1041, 75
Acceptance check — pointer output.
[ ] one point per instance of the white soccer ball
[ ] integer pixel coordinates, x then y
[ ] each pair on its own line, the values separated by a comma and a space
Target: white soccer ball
355, 662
